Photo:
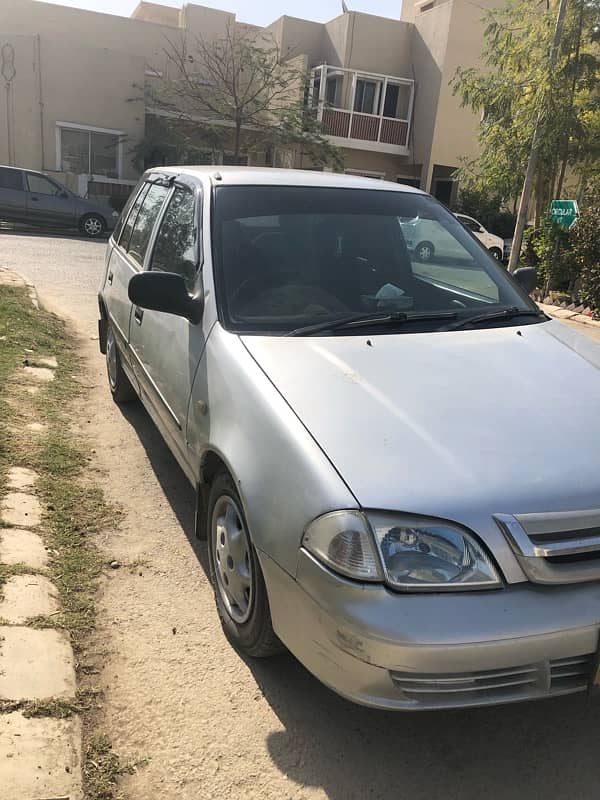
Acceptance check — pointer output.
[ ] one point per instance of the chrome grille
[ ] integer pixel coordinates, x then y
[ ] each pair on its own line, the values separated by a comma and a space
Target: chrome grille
511, 684
557, 547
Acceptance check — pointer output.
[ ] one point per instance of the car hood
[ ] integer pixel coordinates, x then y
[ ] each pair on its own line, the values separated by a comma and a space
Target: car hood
493, 420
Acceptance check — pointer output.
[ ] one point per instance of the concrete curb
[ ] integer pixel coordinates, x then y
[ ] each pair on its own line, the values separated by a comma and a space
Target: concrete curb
10, 277
40, 757
565, 313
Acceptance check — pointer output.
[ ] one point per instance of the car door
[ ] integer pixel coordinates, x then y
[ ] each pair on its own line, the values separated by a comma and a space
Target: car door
167, 349
13, 204
119, 271
49, 203
127, 256
476, 229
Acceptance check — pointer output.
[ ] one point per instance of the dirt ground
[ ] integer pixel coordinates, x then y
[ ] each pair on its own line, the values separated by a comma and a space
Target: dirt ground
215, 726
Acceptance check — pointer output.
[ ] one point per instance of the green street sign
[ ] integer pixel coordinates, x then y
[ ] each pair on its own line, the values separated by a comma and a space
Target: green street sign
564, 213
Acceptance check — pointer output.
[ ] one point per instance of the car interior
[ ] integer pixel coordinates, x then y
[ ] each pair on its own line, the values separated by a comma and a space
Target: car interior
308, 265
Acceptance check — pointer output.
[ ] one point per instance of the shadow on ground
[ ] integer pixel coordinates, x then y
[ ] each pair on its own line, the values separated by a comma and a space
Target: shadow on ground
53, 233
544, 749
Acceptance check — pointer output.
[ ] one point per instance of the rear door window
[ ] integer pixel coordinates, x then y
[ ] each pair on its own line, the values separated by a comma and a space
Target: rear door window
11, 179
38, 184
132, 216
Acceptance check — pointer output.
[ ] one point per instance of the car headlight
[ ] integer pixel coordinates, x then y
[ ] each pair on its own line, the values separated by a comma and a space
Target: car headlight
408, 553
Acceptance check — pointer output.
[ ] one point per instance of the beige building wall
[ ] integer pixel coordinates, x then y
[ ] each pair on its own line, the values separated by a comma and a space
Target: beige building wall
456, 128
90, 69
377, 44
296, 37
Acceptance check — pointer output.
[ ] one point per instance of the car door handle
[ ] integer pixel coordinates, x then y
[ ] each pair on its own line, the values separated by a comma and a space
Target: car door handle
35, 199
138, 314
110, 278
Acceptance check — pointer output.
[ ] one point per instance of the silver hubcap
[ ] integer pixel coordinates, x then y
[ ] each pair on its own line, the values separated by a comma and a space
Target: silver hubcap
233, 564
93, 226
425, 253
111, 357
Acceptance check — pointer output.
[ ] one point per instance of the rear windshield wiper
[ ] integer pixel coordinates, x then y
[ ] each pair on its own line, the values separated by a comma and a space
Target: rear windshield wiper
503, 313
381, 318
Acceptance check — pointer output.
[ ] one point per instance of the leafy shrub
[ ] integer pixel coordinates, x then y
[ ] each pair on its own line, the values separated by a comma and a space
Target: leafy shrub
549, 249
585, 243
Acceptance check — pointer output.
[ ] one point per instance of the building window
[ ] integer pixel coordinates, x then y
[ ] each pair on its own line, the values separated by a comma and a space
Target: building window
91, 151
366, 96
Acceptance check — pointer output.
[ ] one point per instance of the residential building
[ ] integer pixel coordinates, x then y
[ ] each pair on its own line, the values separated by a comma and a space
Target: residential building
73, 101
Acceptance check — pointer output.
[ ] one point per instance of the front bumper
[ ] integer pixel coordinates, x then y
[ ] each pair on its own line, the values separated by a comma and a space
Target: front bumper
433, 651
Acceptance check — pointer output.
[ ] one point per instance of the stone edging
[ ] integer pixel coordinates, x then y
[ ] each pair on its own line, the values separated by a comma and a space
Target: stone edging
9, 277
565, 313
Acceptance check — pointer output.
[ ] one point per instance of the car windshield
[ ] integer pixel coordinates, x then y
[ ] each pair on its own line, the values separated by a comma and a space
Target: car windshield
295, 256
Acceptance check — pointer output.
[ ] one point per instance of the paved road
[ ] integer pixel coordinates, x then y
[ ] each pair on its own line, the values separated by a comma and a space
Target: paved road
215, 726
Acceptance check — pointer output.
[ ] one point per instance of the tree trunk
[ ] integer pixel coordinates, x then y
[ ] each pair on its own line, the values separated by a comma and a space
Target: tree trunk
561, 177
535, 149
237, 141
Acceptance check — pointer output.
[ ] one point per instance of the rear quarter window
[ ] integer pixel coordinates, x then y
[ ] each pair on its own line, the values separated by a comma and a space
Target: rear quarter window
11, 179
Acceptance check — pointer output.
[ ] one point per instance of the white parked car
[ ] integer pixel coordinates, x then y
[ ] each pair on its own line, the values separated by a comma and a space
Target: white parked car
428, 239
495, 244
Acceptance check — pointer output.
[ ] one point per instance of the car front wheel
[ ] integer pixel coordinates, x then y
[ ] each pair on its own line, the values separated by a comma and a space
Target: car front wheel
92, 225
425, 251
498, 254
240, 592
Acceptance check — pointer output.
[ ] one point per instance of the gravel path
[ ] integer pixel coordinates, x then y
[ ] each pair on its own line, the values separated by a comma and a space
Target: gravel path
214, 726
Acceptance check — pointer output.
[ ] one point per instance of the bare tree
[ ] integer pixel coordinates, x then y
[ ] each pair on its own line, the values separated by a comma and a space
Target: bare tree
239, 88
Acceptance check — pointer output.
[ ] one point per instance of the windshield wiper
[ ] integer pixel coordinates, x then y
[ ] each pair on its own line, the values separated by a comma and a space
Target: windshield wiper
357, 320
503, 313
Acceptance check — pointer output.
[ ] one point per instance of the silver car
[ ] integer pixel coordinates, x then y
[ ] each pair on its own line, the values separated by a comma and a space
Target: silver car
396, 463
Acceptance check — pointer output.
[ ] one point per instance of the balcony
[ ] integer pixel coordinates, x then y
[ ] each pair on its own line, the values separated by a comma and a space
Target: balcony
363, 110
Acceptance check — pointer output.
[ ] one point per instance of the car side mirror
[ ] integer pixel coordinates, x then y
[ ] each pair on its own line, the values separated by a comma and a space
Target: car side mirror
64, 195
526, 277
166, 292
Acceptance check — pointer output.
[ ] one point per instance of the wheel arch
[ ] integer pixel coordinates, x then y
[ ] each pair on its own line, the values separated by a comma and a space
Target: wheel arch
211, 464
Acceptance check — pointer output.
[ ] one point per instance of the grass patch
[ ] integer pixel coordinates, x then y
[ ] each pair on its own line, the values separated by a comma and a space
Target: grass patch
57, 708
75, 510
102, 769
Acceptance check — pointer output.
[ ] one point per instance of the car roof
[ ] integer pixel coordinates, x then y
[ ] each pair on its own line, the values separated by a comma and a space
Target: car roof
464, 216
30, 171
269, 176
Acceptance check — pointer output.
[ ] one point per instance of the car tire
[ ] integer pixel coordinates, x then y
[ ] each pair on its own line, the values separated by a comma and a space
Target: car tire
120, 386
496, 253
425, 251
92, 225
236, 576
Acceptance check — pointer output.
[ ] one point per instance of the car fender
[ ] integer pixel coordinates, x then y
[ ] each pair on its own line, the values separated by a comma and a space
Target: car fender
284, 478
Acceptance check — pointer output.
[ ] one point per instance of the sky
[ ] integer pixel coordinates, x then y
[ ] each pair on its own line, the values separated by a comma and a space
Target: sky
258, 12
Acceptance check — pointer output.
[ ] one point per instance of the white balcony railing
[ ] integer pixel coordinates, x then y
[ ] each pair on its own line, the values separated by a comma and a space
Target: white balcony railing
363, 107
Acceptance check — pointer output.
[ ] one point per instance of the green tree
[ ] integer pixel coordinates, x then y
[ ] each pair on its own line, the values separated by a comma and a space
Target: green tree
239, 90
513, 86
